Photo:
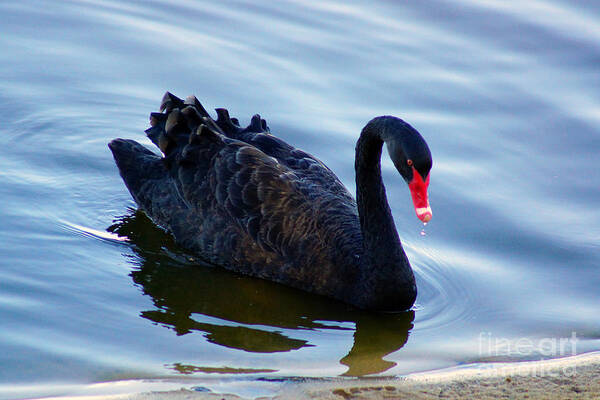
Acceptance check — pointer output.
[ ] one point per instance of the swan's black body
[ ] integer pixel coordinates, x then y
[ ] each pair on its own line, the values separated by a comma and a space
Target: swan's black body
247, 201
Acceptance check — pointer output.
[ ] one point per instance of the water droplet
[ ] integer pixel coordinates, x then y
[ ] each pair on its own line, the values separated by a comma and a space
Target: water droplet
423, 233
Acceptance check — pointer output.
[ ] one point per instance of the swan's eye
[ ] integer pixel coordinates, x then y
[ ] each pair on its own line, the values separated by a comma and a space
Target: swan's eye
409, 162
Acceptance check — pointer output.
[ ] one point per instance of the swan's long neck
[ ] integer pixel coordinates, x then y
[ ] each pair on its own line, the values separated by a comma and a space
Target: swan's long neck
388, 278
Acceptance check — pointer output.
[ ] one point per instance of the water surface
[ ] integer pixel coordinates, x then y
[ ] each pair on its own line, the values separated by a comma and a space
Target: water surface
505, 94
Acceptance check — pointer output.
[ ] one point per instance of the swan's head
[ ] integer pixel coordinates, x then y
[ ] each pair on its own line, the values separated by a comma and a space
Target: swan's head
412, 158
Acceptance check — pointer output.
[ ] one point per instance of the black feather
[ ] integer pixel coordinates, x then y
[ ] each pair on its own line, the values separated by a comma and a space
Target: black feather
248, 201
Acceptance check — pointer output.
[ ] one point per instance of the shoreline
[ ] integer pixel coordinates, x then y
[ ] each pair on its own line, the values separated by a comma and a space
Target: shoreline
561, 378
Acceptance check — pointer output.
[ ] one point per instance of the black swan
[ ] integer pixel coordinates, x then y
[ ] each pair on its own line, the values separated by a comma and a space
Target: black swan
245, 200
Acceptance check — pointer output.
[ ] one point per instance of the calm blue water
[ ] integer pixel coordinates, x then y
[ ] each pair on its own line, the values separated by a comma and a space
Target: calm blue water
505, 93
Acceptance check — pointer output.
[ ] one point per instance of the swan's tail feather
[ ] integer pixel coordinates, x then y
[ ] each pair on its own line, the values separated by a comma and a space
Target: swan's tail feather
138, 166
174, 123
193, 101
179, 120
169, 102
192, 117
189, 138
156, 118
149, 183
157, 126
255, 123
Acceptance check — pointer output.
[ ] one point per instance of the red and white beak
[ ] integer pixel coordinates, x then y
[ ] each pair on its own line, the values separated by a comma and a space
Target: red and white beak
418, 191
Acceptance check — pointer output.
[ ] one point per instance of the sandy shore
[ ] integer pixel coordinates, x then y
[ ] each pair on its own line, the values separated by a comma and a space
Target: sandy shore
575, 377
568, 378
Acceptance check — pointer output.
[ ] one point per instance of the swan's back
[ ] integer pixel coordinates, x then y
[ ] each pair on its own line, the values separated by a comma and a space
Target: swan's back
244, 199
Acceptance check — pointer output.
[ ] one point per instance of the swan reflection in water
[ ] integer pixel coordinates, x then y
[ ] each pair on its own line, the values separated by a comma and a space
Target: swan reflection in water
181, 289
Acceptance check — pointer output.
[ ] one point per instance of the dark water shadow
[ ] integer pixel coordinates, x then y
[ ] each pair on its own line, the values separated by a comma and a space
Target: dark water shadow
253, 312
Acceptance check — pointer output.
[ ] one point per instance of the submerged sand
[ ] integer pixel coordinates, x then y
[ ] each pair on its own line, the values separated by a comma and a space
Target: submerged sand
575, 377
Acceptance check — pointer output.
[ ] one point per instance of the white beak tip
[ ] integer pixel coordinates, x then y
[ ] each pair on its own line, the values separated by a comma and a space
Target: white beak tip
424, 214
